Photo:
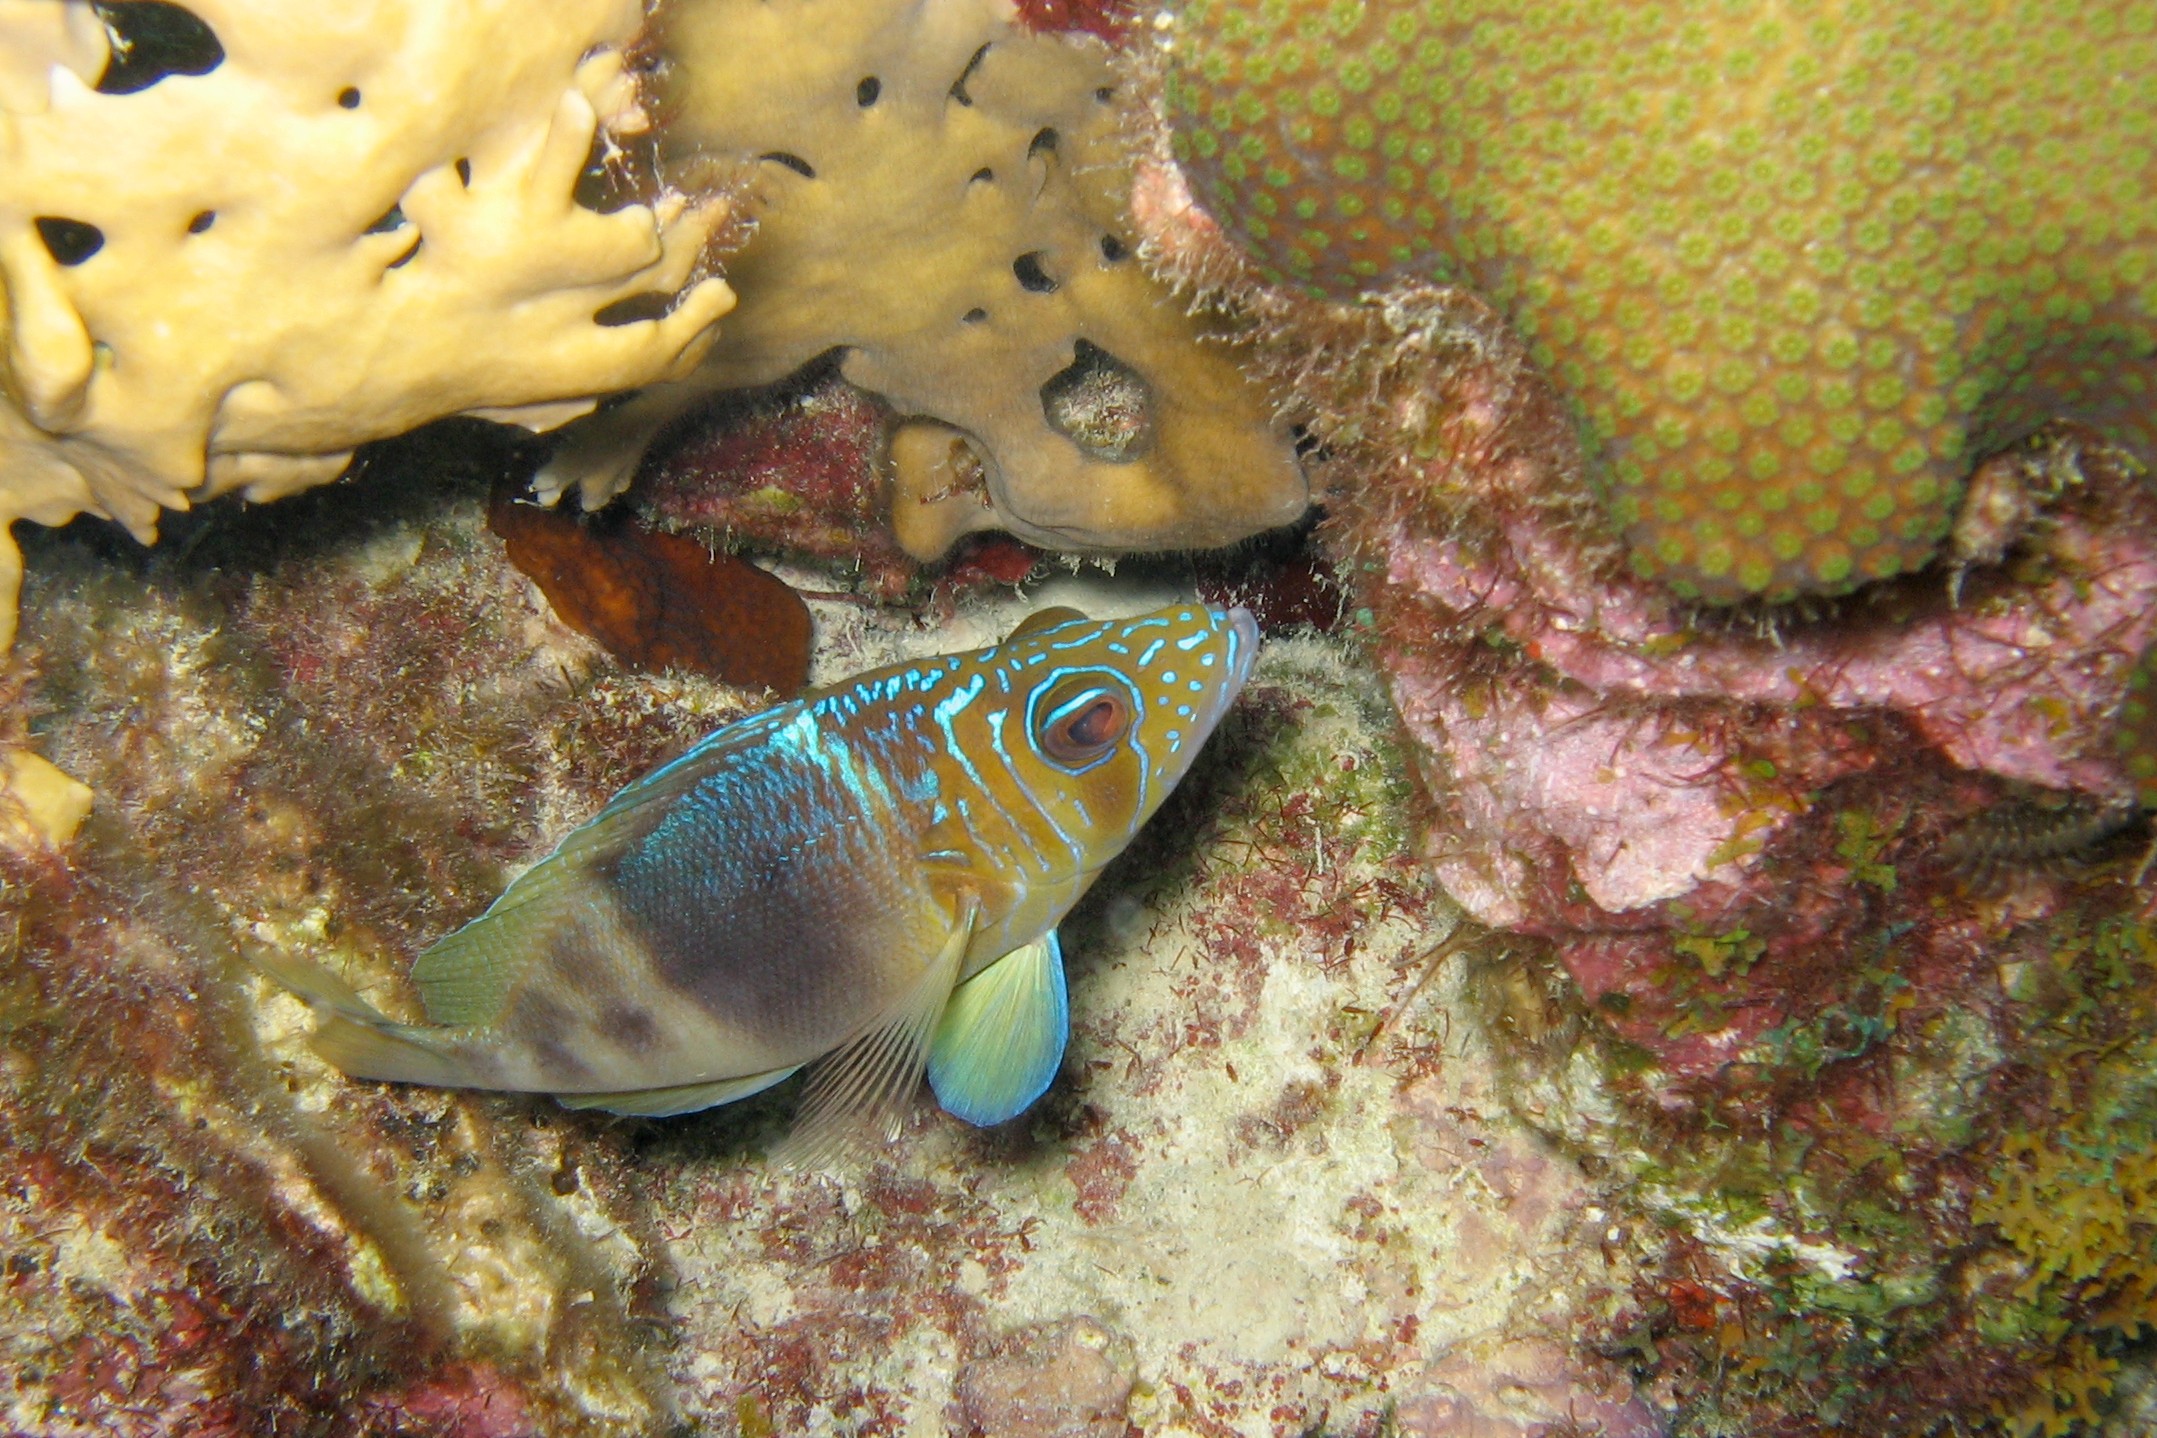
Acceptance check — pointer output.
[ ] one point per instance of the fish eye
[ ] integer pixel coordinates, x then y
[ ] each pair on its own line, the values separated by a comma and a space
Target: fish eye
1081, 724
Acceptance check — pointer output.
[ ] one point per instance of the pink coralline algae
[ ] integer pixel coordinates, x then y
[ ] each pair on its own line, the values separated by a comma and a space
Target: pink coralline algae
1525, 1389
1057, 1380
1633, 782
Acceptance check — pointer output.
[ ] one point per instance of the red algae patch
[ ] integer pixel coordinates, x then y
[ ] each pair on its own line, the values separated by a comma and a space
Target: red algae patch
659, 600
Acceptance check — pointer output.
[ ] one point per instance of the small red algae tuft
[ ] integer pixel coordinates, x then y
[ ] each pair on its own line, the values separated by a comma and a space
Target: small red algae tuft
1110, 20
1300, 591
799, 469
794, 469
659, 600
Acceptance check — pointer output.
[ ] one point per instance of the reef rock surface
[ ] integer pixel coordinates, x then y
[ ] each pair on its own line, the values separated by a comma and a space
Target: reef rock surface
1276, 1185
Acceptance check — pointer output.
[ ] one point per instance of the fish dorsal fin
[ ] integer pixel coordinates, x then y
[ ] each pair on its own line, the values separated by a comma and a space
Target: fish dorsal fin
861, 1088
466, 978
681, 1098
1042, 619
1002, 1036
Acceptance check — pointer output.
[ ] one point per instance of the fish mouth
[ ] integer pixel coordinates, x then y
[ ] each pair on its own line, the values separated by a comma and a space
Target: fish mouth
1242, 655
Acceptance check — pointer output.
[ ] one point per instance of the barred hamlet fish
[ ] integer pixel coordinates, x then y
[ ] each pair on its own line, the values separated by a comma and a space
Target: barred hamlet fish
868, 879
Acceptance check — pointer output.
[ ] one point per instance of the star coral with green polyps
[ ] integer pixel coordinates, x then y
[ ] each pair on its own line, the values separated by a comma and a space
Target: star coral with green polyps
1793, 265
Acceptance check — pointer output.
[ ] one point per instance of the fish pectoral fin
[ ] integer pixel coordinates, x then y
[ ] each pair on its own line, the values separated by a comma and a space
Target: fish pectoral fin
681, 1098
863, 1085
1002, 1036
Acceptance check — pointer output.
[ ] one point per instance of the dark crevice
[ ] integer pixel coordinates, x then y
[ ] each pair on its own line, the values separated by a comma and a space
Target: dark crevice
406, 258
1101, 405
619, 171
202, 222
1032, 278
866, 91
69, 242
795, 163
974, 316
958, 86
150, 40
984, 175
349, 98
636, 310
392, 219
464, 173
1044, 142
1113, 249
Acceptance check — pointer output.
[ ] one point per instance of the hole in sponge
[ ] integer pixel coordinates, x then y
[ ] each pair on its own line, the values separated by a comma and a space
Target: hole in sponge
795, 163
1113, 249
867, 90
1044, 142
1101, 405
464, 173
1032, 278
349, 98
392, 219
958, 86
619, 171
202, 222
69, 242
974, 316
635, 310
149, 40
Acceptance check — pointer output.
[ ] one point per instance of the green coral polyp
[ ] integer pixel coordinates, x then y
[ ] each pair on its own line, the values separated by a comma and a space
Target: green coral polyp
1961, 241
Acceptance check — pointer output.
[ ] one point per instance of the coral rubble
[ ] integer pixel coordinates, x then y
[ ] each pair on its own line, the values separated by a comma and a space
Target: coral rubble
936, 196
1792, 269
225, 269
323, 737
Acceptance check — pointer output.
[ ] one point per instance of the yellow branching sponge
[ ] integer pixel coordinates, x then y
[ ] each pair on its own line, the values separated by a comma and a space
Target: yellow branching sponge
313, 227
940, 194
1794, 265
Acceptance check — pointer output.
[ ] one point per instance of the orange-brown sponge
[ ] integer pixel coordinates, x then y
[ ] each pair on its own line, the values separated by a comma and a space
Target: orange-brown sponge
1794, 265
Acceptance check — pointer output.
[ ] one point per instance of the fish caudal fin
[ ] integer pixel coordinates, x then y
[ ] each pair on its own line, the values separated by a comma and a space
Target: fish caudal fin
1002, 1036
359, 1038
375, 1047
863, 1086
682, 1098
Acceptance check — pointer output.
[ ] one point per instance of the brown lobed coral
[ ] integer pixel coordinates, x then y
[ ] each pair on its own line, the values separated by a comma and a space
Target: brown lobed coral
936, 196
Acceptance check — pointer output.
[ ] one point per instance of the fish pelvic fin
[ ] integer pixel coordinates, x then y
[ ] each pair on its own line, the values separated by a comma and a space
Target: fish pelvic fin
1002, 1036
681, 1098
861, 1088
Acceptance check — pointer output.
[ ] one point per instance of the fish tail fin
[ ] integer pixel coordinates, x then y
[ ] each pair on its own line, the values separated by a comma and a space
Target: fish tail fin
378, 1048
359, 1038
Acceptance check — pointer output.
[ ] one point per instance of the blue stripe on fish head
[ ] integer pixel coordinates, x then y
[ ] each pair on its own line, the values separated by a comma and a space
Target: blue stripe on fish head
1107, 717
